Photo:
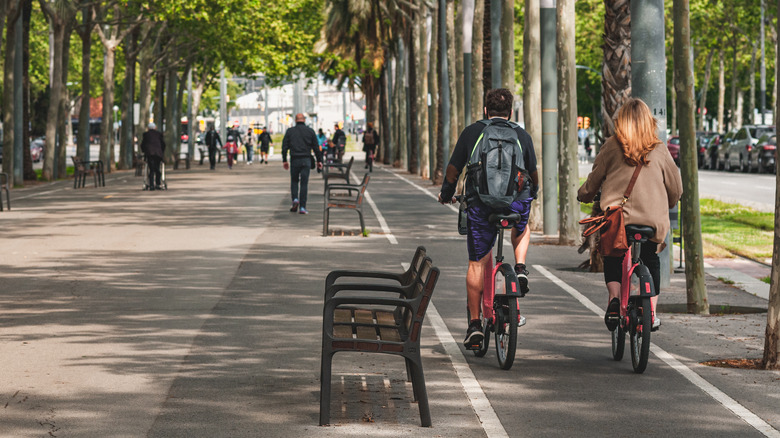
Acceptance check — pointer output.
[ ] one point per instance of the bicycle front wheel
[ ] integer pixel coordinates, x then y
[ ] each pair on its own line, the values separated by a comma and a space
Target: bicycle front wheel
640, 334
506, 316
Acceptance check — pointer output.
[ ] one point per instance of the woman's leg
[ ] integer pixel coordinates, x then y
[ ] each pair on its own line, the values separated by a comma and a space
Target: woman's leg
613, 275
650, 259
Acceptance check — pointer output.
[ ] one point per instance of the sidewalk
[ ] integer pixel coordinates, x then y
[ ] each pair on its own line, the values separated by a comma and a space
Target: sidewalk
197, 312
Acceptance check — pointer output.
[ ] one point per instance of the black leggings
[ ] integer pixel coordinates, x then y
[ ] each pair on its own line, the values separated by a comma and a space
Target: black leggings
613, 266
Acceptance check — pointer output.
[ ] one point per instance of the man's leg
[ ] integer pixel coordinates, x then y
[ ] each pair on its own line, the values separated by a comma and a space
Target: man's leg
212, 157
157, 175
521, 240
475, 278
295, 175
305, 170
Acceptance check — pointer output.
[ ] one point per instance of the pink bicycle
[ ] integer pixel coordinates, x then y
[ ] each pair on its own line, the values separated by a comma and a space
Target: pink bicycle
636, 314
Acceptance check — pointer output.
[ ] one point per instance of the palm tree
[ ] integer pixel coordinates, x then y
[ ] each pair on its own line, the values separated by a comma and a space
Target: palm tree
616, 78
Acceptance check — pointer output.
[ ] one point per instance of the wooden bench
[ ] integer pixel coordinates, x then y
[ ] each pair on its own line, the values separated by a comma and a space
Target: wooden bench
204, 154
182, 156
337, 171
348, 196
374, 322
404, 279
4, 187
82, 169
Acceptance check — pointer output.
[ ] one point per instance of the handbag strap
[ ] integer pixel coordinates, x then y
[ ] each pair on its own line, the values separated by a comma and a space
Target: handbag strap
630, 188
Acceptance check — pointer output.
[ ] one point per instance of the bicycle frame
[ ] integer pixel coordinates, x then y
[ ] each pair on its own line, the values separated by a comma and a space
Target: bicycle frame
488, 289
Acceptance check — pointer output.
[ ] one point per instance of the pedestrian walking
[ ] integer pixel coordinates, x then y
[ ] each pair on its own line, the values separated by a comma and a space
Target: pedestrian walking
153, 147
211, 139
250, 147
232, 141
265, 140
300, 141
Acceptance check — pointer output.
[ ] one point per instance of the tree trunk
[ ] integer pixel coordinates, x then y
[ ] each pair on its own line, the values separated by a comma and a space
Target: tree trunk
460, 78
739, 110
171, 142
704, 87
126, 144
422, 51
673, 92
63, 117
29, 173
616, 69
771, 359
452, 50
487, 51
508, 45
752, 76
384, 113
433, 109
568, 165
532, 96
477, 47
9, 83
721, 91
160, 102
82, 143
734, 73
55, 90
107, 122
412, 79
691, 219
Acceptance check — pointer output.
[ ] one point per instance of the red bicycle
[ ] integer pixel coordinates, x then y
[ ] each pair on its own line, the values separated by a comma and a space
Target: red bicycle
500, 312
636, 313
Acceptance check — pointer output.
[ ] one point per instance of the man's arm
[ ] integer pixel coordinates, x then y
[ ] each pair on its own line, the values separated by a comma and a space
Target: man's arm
285, 145
460, 156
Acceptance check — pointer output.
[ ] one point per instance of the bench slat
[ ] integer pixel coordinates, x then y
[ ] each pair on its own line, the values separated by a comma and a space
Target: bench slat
366, 332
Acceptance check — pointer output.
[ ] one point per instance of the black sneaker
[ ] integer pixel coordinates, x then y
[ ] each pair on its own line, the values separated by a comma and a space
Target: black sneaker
612, 317
474, 335
294, 207
522, 278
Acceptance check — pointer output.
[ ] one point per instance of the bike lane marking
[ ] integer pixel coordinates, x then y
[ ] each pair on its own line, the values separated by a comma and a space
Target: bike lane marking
487, 416
721, 397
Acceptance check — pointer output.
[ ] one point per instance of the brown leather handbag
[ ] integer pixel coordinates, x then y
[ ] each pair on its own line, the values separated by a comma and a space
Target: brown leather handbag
613, 242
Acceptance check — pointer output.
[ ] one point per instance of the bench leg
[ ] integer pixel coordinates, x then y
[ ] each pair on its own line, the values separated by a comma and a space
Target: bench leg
362, 222
7, 197
418, 383
325, 377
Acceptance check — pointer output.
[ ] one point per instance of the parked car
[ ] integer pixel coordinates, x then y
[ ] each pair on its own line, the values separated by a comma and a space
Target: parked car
36, 149
723, 149
740, 148
702, 139
712, 151
764, 154
673, 144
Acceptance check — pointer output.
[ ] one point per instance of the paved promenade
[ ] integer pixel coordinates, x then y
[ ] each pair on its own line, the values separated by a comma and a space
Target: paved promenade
196, 312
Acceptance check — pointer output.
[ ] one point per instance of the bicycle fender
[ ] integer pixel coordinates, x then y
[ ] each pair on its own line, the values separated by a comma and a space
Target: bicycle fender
512, 286
646, 286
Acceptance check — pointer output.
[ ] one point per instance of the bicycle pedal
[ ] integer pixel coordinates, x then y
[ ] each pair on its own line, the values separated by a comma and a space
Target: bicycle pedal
521, 321
473, 346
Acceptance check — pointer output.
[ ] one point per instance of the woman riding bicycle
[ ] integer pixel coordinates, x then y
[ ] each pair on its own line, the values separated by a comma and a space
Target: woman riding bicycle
658, 186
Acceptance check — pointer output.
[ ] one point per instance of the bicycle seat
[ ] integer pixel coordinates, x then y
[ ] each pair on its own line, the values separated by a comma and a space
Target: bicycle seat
497, 218
639, 233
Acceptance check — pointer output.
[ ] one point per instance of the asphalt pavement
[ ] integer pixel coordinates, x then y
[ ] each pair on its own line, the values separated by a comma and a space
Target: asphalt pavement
196, 311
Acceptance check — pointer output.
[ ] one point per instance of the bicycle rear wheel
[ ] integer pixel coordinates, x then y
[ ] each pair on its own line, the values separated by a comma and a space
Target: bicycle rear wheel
640, 334
618, 342
506, 315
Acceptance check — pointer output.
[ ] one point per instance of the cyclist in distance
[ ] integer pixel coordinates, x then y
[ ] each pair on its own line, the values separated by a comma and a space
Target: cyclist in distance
481, 234
658, 188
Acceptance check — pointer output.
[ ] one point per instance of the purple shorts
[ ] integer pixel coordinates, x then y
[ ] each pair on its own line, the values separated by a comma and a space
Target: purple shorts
482, 235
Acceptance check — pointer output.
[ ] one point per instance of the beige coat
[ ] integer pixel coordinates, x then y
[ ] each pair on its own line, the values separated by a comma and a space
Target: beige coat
657, 188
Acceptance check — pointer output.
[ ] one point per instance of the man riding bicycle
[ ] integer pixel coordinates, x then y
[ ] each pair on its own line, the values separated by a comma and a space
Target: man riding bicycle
482, 234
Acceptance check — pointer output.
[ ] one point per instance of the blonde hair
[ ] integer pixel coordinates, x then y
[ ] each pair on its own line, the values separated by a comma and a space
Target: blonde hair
636, 131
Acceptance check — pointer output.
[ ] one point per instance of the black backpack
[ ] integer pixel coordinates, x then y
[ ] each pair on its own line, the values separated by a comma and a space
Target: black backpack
496, 173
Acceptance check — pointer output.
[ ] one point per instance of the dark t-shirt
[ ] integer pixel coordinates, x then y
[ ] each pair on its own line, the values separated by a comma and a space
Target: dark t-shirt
466, 142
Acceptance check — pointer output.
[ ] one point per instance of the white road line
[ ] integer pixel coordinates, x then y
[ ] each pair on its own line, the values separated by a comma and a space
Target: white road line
382, 221
729, 403
479, 401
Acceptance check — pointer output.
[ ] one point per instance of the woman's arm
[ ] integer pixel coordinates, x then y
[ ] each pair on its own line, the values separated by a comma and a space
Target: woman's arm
592, 184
